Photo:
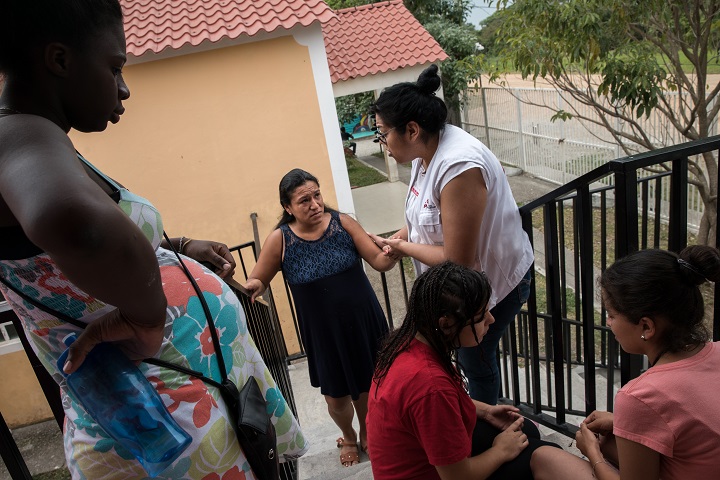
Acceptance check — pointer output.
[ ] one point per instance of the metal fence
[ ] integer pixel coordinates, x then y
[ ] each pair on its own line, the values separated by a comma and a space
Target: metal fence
516, 124
561, 360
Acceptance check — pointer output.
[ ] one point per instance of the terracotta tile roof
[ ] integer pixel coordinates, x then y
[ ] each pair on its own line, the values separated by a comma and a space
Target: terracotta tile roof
377, 38
154, 25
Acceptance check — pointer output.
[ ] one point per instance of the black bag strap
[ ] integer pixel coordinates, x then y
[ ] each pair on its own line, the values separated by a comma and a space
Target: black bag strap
206, 309
152, 361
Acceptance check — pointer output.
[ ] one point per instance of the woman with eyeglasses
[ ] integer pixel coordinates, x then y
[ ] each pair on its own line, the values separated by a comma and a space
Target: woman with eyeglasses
459, 207
421, 422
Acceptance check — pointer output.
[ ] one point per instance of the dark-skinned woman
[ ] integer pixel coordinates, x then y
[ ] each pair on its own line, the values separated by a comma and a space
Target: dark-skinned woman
83, 246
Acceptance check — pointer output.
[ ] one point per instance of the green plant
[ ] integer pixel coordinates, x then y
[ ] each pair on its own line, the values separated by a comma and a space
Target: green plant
361, 175
59, 474
621, 59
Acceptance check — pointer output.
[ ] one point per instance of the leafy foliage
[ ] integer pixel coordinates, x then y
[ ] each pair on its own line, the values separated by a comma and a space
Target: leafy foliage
459, 42
340, 4
454, 11
620, 58
349, 106
490, 28
446, 22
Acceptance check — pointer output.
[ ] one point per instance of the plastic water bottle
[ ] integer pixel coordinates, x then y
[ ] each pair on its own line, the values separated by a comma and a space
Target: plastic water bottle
122, 401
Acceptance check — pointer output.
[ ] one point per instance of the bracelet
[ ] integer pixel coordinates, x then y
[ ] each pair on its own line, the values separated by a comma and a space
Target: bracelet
183, 243
594, 464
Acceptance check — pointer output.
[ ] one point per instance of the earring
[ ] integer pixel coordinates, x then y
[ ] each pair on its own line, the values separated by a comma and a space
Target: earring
643, 337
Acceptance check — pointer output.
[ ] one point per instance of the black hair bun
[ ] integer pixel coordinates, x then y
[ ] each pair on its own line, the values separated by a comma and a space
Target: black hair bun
429, 81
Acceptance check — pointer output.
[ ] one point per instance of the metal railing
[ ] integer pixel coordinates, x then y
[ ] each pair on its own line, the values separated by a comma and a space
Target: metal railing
559, 360
581, 228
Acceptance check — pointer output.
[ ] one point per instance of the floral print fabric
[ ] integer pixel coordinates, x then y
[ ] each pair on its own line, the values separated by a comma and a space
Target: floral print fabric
198, 408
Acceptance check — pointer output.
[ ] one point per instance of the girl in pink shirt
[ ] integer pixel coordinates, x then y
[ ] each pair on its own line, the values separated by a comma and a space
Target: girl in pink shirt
667, 421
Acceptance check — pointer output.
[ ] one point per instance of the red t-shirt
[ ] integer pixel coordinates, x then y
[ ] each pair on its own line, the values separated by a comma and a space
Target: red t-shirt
419, 417
674, 409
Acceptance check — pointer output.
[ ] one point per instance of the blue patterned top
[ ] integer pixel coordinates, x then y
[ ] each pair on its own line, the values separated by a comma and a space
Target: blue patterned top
309, 260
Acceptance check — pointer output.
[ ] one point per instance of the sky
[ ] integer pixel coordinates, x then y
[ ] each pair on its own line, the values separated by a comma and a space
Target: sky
481, 10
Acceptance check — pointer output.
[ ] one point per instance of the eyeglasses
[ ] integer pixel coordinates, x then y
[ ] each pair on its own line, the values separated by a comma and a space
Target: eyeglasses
382, 137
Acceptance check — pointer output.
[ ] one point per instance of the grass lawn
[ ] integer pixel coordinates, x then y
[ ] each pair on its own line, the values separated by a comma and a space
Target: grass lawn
59, 474
361, 175
712, 67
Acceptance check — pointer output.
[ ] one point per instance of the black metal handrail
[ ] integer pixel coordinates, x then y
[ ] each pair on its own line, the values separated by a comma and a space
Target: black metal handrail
541, 349
550, 344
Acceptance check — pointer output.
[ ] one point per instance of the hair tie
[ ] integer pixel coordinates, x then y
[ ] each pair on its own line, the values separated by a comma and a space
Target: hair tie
691, 267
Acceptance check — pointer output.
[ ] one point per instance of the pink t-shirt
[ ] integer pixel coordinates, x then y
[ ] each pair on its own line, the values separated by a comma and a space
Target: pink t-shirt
420, 417
674, 409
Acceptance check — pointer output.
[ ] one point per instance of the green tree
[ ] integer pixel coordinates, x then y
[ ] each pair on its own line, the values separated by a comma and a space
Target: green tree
350, 106
621, 57
340, 4
490, 28
446, 20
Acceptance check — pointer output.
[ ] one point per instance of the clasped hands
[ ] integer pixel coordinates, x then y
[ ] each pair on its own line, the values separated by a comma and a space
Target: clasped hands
597, 425
390, 246
507, 418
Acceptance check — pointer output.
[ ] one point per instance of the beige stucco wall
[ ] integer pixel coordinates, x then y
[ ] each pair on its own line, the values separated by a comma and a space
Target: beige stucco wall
207, 137
22, 401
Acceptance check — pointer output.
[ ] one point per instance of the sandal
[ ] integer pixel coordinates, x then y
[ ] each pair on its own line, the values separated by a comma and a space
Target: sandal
350, 458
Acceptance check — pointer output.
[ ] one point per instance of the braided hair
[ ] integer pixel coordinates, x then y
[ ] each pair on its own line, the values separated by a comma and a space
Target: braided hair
449, 290
665, 285
413, 102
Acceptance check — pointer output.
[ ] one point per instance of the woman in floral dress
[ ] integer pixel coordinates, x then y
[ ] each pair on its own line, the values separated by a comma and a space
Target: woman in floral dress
81, 245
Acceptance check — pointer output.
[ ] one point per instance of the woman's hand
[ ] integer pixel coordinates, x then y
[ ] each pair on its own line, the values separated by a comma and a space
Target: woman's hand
137, 341
255, 287
512, 440
216, 253
390, 246
588, 443
393, 247
599, 422
499, 416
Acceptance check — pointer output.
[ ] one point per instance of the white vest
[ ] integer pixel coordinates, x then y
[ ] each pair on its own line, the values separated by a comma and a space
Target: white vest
503, 251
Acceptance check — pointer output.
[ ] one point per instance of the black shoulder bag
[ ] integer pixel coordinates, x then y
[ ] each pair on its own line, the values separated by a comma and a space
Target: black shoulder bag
252, 423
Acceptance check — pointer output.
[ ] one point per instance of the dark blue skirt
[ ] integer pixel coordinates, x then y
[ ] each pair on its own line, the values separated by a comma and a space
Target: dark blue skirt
342, 326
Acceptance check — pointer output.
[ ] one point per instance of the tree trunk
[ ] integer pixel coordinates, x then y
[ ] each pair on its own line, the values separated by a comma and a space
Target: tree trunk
453, 117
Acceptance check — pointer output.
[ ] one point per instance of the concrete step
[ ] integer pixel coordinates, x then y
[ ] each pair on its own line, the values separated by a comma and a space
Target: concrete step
325, 465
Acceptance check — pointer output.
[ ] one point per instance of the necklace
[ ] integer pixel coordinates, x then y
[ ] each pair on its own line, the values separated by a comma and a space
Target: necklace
663, 352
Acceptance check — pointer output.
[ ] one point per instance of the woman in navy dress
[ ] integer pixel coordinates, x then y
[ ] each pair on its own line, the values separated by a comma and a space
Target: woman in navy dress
341, 323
